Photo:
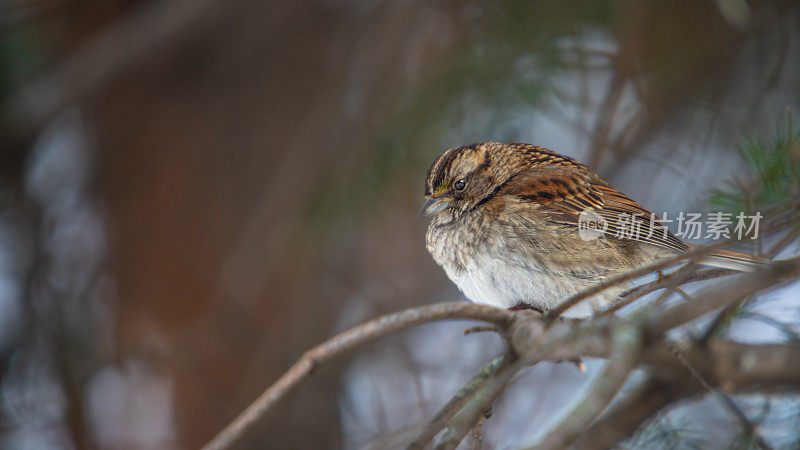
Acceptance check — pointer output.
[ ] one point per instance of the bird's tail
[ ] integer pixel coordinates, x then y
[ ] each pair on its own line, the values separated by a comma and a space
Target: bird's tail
726, 259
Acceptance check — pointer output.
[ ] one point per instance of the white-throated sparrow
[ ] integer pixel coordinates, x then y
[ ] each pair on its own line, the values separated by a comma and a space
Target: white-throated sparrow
505, 227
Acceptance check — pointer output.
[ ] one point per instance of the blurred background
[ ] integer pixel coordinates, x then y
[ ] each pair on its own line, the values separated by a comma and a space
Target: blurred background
195, 192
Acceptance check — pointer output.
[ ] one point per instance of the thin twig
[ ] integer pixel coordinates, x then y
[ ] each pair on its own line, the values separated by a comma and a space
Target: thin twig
724, 317
684, 275
782, 243
746, 367
571, 338
682, 293
478, 404
737, 289
440, 419
629, 413
347, 341
481, 329
662, 298
725, 399
626, 346
694, 254
770, 321
720, 322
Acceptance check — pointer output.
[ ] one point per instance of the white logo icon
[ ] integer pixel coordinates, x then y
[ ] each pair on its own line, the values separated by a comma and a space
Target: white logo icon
591, 225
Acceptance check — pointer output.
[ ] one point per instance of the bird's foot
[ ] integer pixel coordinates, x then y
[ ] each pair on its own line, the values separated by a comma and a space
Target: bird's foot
522, 306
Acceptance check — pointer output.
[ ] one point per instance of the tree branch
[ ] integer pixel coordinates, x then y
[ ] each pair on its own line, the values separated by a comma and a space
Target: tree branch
441, 418
478, 404
726, 400
625, 348
737, 289
532, 338
692, 255
741, 367
346, 341
629, 413
684, 275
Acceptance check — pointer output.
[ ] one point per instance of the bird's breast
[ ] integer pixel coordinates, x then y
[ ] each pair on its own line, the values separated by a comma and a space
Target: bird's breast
494, 263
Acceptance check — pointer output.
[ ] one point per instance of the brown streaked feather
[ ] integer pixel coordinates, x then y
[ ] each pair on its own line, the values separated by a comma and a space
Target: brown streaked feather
651, 232
568, 191
728, 259
561, 187
541, 156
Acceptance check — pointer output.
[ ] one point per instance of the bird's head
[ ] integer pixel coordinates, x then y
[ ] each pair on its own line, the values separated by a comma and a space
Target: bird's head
465, 177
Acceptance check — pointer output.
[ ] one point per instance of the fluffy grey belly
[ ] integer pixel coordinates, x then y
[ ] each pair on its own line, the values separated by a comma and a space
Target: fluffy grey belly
503, 283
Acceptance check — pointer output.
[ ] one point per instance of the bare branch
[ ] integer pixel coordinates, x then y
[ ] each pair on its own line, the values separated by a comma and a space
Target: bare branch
746, 368
684, 275
571, 338
786, 329
441, 418
347, 341
629, 413
782, 243
742, 367
693, 255
481, 329
478, 404
532, 338
626, 345
781, 220
737, 289
727, 401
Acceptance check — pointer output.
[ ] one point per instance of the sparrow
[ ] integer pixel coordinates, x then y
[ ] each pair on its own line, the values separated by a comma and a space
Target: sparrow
506, 227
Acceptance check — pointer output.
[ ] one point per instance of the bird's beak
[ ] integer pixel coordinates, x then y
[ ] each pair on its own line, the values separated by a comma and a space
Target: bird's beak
433, 205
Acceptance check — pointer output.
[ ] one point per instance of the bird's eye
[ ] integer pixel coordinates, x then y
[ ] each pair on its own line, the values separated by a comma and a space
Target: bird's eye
459, 185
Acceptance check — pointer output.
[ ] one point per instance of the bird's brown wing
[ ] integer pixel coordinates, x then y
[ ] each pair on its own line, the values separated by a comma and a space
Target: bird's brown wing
567, 191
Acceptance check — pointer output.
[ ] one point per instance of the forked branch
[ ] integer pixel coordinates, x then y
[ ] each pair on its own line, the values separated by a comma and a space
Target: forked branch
627, 341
